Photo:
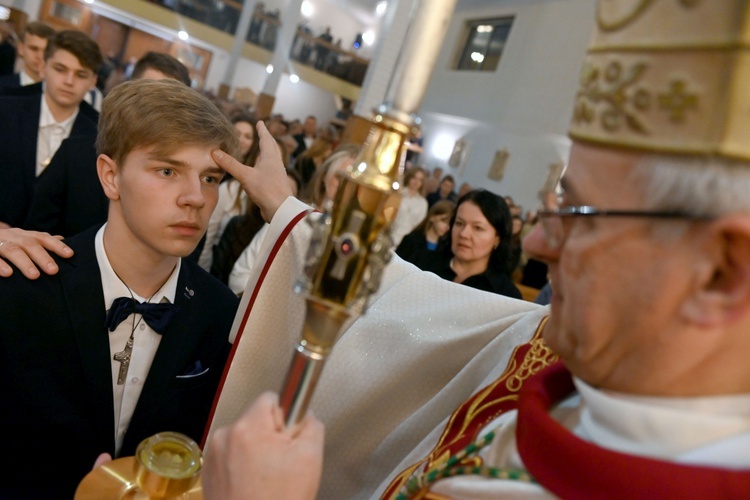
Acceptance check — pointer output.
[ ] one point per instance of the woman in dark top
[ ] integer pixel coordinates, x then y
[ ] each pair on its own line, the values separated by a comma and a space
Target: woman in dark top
239, 233
427, 236
478, 252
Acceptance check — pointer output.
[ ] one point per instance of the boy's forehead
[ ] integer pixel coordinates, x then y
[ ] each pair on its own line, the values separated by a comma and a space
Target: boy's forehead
68, 58
174, 152
32, 39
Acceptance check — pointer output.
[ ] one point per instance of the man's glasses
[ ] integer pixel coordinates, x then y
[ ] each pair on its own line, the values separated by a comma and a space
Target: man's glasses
556, 230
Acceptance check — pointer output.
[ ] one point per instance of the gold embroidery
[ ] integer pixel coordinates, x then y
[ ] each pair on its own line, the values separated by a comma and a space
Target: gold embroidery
624, 103
617, 20
454, 431
612, 91
677, 100
540, 356
612, 23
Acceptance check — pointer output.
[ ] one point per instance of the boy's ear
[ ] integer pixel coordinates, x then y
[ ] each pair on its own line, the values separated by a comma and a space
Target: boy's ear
107, 169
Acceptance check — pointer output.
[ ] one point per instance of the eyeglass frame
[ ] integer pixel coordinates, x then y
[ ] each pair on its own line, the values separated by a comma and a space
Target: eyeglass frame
589, 211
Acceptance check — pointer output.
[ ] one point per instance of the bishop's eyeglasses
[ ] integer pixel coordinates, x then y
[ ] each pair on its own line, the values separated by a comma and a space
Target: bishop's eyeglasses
556, 221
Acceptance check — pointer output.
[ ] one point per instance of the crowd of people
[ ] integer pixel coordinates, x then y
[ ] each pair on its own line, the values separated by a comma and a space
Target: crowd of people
632, 383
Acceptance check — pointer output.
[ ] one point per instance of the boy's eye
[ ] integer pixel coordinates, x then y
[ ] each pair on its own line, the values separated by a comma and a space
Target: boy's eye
166, 172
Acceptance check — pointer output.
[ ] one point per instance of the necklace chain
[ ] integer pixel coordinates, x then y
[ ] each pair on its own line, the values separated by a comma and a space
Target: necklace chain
123, 357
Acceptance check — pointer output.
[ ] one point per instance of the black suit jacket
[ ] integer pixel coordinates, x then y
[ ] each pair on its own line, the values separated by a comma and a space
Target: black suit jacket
68, 197
19, 129
301, 146
9, 82
55, 372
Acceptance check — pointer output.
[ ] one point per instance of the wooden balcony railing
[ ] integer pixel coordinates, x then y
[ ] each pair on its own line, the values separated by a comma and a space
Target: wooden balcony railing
264, 27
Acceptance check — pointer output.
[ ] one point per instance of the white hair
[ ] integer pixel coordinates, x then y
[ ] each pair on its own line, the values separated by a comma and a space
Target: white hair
701, 186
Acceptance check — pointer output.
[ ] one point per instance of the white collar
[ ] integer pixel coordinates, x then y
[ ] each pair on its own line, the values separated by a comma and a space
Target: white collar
662, 427
46, 118
113, 287
25, 78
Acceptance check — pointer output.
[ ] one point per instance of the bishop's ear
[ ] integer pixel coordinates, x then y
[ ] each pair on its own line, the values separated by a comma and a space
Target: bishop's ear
724, 292
106, 168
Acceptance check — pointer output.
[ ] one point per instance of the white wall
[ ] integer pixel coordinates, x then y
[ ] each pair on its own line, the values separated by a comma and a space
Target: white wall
523, 106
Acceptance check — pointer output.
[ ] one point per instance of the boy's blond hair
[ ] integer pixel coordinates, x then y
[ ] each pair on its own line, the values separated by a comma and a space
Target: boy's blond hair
163, 114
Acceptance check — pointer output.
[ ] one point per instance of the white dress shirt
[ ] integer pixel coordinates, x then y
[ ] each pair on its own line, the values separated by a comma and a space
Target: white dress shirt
25, 78
145, 339
51, 134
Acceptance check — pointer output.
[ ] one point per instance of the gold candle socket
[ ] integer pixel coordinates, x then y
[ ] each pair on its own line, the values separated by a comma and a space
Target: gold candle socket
166, 466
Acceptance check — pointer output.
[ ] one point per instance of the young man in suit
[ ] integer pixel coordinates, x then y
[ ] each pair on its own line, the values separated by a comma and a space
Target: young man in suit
306, 138
68, 197
31, 48
33, 125
87, 365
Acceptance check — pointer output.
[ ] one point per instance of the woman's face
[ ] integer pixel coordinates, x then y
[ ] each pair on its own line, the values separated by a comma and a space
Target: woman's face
245, 133
415, 183
332, 180
441, 224
517, 225
473, 237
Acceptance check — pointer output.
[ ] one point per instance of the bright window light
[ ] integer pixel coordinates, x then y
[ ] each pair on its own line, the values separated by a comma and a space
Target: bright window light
477, 57
183, 35
269, 69
293, 78
484, 28
89, 1
368, 37
443, 146
306, 9
380, 8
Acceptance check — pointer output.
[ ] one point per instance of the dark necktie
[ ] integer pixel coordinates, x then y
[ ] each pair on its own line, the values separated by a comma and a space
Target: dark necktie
157, 316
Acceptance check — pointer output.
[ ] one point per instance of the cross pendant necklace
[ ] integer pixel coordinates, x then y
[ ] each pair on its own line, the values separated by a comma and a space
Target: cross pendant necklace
124, 359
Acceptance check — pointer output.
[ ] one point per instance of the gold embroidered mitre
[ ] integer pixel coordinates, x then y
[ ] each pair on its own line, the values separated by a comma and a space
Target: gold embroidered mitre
667, 76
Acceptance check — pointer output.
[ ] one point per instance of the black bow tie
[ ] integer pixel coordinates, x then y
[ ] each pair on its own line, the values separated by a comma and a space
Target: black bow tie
157, 316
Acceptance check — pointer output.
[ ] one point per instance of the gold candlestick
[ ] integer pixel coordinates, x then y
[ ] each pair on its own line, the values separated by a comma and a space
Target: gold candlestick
351, 243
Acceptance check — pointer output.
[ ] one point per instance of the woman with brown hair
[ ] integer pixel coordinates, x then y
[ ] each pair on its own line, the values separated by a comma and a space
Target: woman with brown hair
322, 188
232, 199
428, 235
